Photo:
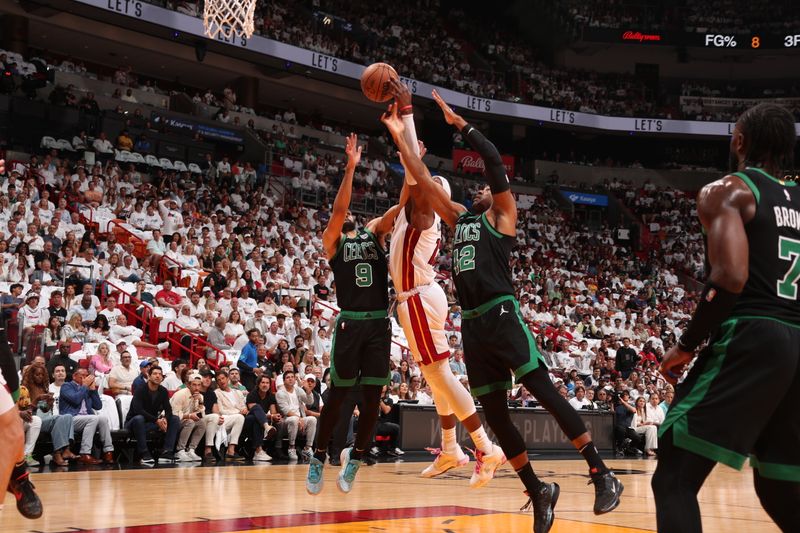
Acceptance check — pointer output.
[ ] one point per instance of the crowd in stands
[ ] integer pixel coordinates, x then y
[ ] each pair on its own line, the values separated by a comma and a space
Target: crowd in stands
501, 65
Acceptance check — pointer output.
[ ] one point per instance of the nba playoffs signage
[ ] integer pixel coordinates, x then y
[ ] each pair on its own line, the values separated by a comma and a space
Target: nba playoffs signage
300, 56
471, 162
420, 428
582, 198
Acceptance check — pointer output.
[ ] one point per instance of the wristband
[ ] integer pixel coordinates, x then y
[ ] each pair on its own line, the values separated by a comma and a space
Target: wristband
406, 108
715, 306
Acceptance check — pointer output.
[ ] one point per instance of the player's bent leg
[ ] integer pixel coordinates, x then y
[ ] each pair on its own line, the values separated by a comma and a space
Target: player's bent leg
607, 488
543, 496
13, 466
450, 455
676, 482
780, 499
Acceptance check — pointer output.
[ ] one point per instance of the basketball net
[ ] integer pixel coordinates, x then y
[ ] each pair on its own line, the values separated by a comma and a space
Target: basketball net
229, 18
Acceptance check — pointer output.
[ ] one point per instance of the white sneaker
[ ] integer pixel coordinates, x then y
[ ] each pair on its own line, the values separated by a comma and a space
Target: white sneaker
292, 454
485, 465
183, 457
193, 456
445, 462
398, 451
262, 456
163, 346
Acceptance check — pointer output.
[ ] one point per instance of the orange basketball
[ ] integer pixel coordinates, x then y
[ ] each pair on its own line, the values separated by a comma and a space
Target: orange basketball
375, 81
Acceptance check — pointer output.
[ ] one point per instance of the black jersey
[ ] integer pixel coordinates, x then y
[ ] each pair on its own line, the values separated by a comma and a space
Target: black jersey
481, 268
361, 273
774, 240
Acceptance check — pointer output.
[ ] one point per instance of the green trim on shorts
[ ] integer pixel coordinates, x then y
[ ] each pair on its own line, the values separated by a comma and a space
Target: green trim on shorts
776, 471
747, 181
682, 439
491, 228
466, 314
335, 379
376, 381
364, 315
491, 387
755, 317
533, 352
677, 416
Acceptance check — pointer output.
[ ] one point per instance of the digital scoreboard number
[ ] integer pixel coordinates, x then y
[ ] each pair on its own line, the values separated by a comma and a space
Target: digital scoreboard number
750, 42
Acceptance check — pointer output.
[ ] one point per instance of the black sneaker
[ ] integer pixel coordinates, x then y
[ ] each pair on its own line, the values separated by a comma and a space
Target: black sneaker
607, 491
166, 458
543, 505
147, 460
28, 503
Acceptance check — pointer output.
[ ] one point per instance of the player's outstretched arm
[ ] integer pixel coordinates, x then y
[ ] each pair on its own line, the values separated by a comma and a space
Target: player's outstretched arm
503, 204
333, 232
436, 195
723, 207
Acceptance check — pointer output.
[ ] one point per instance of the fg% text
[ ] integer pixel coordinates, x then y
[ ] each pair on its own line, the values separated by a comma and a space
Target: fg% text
721, 41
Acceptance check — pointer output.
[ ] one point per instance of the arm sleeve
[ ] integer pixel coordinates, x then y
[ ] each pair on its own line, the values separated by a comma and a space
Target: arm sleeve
495, 170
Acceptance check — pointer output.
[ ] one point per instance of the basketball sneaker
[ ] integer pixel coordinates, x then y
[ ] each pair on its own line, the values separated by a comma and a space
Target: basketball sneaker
444, 462
347, 475
485, 465
314, 479
607, 490
28, 503
543, 504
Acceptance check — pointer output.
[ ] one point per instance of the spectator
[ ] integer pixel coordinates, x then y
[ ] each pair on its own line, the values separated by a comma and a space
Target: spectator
187, 404
150, 410
292, 403
232, 410
644, 426
80, 399
262, 414
122, 375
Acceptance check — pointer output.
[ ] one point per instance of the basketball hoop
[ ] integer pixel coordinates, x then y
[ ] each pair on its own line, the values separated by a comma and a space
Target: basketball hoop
229, 18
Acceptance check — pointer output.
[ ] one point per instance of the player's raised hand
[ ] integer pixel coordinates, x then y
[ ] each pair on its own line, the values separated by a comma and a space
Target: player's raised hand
402, 96
393, 122
422, 149
353, 150
450, 116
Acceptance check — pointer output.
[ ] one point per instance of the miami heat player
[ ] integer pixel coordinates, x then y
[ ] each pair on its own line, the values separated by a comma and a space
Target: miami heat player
422, 311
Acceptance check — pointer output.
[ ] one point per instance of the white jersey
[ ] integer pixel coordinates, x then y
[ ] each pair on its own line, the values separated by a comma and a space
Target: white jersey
412, 253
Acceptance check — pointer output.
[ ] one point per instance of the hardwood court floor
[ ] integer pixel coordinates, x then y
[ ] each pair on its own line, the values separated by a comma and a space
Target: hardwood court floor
387, 497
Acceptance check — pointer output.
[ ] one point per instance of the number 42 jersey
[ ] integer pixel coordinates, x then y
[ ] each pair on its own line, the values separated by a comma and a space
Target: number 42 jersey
481, 268
361, 273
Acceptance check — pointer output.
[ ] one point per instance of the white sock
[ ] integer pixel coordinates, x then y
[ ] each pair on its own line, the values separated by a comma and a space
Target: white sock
449, 444
481, 440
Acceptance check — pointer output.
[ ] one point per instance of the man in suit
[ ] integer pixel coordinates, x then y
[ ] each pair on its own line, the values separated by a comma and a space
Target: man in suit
80, 399
292, 401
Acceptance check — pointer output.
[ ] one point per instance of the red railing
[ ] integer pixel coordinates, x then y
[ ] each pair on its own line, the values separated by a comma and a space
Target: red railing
198, 347
164, 268
125, 236
147, 321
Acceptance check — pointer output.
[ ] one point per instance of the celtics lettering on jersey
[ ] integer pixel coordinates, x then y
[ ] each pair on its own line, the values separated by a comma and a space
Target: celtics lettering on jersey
361, 273
481, 267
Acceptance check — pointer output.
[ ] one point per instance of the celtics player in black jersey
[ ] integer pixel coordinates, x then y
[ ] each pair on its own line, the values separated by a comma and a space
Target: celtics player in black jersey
362, 332
739, 399
496, 340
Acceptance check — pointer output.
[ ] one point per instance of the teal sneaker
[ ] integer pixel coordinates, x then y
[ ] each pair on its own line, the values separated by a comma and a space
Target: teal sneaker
314, 479
347, 475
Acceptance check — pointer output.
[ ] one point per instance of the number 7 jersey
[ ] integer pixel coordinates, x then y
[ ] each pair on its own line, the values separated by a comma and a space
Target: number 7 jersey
481, 269
361, 273
773, 237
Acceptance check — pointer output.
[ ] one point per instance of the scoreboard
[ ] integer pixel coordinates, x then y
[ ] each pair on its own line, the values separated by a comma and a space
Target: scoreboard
715, 40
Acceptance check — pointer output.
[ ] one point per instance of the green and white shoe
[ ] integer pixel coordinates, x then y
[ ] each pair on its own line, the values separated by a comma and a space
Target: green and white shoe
314, 479
347, 475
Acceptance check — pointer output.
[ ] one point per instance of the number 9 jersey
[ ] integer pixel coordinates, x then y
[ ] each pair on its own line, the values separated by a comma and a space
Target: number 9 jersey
361, 273
481, 266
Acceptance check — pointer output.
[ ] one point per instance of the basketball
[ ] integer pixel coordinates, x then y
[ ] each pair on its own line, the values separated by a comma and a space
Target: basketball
374, 81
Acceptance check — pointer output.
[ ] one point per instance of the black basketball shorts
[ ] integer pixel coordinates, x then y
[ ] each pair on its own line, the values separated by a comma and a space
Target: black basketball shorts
360, 349
740, 399
496, 343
